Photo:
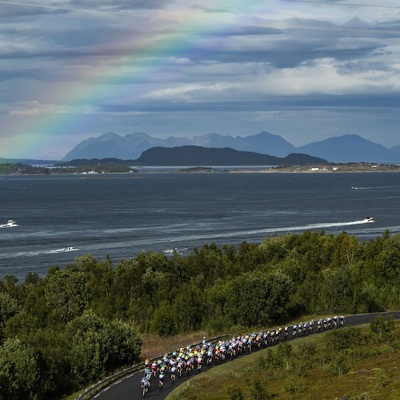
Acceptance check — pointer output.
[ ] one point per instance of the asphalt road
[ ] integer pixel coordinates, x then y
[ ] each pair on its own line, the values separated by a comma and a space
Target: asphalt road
129, 387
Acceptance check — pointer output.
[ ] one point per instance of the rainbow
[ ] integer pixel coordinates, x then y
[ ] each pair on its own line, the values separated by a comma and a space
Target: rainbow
46, 126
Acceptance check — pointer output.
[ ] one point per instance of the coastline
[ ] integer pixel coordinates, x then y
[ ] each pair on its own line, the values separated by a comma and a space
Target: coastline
103, 169
325, 168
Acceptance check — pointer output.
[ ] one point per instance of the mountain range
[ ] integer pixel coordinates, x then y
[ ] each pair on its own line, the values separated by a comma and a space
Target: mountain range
340, 149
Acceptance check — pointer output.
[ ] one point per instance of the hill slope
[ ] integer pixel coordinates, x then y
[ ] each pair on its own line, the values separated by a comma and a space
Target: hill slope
197, 155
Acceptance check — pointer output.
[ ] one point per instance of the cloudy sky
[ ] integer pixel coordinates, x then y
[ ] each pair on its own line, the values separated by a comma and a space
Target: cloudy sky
304, 70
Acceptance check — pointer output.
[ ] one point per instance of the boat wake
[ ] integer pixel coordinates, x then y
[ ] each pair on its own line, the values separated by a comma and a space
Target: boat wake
38, 252
211, 236
182, 242
322, 225
63, 250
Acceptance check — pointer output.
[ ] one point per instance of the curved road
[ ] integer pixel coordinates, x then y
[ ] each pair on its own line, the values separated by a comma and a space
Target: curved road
129, 387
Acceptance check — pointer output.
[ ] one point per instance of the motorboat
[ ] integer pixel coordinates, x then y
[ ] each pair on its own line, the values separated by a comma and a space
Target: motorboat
10, 224
69, 248
368, 219
171, 251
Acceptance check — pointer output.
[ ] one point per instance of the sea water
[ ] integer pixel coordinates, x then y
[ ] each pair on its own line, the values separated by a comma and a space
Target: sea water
118, 216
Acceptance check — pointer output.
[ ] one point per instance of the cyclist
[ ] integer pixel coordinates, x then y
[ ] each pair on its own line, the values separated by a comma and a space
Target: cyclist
161, 378
173, 372
144, 385
199, 361
286, 334
319, 325
147, 373
154, 367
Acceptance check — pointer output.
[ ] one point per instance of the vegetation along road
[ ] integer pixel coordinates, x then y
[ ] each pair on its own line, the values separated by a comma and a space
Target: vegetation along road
129, 388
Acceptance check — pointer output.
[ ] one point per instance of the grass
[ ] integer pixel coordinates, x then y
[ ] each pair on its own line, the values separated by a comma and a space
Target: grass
154, 346
372, 378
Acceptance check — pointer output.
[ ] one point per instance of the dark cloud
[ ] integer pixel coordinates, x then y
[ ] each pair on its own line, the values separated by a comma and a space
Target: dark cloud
24, 10
21, 9
275, 103
247, 30
121, 4
210, 10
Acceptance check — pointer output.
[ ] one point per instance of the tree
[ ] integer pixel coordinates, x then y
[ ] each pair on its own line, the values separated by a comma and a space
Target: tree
123, 344
380, 325
18, 371
188, 308
235, 393
163, 322
99, 276
258, 391
67, 294
88, 357
209, 261
53, 361
9, 285
346, 250
257, 298
340, 365
283, 353
338, 340
98, 346
8, 307
126, 285
387, 267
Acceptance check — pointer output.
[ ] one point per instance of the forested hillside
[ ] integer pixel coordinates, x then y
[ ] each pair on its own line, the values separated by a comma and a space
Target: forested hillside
79, 323
22, 169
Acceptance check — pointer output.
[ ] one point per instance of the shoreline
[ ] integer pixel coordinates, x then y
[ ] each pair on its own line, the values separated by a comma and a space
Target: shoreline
324, 169
95, 171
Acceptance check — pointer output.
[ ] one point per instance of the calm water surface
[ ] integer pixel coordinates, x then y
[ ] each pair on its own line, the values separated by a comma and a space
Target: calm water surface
121, 215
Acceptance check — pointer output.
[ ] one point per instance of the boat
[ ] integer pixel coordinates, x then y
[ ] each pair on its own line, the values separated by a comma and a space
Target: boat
69, 248
10, 224
368, 219
171, 251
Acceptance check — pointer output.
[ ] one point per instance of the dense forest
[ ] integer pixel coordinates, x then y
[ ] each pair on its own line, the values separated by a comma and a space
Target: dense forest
80, 322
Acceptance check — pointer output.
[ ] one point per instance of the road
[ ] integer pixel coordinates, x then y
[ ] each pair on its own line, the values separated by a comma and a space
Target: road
129, 387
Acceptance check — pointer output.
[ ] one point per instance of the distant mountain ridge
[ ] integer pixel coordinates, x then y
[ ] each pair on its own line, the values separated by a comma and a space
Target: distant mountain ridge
349, 148
342, 149
131, 146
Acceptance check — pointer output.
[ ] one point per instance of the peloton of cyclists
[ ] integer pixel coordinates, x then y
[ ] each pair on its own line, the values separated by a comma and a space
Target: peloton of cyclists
193, 358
